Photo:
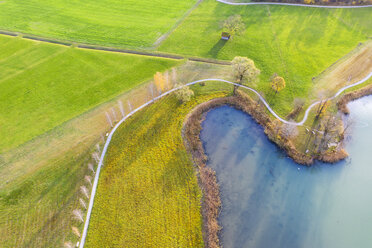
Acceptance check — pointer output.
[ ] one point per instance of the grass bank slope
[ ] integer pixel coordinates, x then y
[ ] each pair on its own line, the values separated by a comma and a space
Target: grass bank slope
148, 194
297, 43
43, 85
108, 22
40, 180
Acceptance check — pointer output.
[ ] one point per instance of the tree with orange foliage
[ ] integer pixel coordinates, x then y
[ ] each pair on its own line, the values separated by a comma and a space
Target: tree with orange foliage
277, 83
159, 81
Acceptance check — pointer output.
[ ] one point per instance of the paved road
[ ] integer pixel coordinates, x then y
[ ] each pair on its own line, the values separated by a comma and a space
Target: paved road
94, 188
295, 4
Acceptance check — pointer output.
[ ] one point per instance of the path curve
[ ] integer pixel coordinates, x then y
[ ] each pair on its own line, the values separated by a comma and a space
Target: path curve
100, 164
299, 5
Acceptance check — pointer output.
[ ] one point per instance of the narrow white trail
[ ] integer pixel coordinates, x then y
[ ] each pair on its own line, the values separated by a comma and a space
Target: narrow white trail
298, 5
100, 164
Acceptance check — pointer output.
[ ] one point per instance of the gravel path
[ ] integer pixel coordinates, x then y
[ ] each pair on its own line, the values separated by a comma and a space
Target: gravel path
94, 188
295, 4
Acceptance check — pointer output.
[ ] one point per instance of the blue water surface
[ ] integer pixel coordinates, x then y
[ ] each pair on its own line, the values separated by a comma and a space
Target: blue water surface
269, 201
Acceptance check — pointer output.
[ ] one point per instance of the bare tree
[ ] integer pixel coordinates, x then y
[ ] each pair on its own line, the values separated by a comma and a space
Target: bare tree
321, 109
90, 167
95, 156
68, 245
151, 89
289, 131
88, 179
121, 108
75, 230
298, 104
108, 117
84, 191
327, 134
167, 81
174, 75
78, 215
82, 203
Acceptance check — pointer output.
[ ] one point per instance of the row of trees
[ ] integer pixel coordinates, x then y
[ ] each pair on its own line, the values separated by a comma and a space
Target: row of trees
325, 132
162, 83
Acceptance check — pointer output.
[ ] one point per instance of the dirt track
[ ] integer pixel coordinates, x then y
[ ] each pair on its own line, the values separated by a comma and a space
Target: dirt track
115, 50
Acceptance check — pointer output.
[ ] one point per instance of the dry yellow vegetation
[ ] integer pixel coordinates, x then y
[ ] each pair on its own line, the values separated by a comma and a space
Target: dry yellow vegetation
351, 68
148, 195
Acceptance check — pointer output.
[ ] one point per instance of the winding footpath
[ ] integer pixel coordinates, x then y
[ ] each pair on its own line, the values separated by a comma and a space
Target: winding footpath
100, 164
297, 4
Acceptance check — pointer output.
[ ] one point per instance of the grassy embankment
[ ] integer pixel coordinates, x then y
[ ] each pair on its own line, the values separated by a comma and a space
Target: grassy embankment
110, 22
51, 117
44, 85
148, 194
297, 43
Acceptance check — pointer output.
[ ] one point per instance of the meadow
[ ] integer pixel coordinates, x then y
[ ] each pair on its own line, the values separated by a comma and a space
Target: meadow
40, 180
297, 43
148, 195
53, 100
126, 23
44, 85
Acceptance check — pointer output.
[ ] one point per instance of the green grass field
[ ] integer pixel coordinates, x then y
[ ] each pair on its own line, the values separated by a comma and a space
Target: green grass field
36, 209
45, 85
297, 43
109, 22
43, 155
148, 194
53, 99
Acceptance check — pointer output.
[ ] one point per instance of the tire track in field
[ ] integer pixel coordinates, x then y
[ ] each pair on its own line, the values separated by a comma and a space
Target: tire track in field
277, 42
39, 62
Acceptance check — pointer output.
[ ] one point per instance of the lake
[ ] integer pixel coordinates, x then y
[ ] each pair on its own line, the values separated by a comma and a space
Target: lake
270, 201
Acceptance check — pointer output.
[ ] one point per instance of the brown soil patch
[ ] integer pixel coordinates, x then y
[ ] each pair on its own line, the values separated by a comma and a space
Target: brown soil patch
349, 69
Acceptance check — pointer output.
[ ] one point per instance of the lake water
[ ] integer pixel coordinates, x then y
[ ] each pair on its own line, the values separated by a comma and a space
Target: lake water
269, 201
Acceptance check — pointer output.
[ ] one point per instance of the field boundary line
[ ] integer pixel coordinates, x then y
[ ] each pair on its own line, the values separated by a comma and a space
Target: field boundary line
107, 143
116, 50
298, 5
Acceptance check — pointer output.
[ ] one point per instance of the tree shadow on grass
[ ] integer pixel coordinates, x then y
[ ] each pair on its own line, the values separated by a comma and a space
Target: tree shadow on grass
216, 48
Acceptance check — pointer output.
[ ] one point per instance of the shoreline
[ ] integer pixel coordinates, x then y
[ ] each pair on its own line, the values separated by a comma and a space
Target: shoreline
352, 96
211, 202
